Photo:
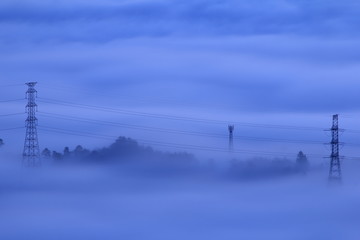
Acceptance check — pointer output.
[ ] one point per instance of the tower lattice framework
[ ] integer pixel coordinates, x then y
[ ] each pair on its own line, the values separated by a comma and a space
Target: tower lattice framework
231, 138
31, 154
335, 167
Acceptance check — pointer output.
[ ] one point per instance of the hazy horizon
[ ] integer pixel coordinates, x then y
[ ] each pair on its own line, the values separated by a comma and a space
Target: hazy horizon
148, 89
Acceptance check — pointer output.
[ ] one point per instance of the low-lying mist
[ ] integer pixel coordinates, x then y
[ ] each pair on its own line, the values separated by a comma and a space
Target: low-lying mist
164, 198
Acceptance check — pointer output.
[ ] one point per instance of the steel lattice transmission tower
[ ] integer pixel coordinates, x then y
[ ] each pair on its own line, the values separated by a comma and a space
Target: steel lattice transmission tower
335, 168
31, 154
231, 138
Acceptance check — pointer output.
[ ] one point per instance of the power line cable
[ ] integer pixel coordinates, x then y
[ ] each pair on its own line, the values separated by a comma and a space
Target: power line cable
11, 114
171, 117
185, 146
172, 131
12, 100
127, 98
9, 129
12, 85
164, 116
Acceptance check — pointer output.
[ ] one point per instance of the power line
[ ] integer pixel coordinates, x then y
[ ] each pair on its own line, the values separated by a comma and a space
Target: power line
172, 117
185, 146
129, 112
12, 100
172, 131
175, 145
12, 85
351, 131
9, 129
11, 114
135, 99
211, 121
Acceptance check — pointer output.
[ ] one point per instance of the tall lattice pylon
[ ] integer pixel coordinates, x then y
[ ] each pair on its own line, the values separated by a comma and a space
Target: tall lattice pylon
335, 167
31, 154
231, 138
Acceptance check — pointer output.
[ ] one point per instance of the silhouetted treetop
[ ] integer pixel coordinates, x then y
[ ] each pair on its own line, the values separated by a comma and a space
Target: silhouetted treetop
46, 153
123, 149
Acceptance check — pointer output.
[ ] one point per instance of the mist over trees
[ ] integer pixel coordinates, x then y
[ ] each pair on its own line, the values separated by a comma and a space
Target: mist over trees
123, 151
127, 151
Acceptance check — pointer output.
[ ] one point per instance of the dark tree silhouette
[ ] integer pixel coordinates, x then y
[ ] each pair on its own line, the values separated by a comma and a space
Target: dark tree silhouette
125, 150
57, 156
66, 152
46, 153
78, 149
302, 162
81, 152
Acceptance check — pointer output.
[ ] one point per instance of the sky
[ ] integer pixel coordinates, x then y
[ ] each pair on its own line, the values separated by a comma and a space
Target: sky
173, 75
278, 62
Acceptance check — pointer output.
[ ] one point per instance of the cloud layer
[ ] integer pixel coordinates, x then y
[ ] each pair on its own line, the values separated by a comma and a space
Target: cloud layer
108, 20
234, 60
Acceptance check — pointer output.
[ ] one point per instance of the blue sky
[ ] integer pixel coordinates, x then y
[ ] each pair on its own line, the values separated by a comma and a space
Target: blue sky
266, 62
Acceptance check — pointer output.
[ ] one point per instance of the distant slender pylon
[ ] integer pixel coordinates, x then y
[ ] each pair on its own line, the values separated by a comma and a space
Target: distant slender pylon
31, 154
335, 168
231, 138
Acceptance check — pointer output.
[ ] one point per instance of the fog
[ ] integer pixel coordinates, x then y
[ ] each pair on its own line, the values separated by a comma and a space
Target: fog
140, 201
173, 75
